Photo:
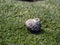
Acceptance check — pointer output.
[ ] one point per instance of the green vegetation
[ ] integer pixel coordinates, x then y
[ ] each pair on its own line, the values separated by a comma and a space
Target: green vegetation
13, 15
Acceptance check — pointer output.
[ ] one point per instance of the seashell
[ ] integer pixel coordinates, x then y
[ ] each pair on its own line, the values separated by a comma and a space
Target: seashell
33, 25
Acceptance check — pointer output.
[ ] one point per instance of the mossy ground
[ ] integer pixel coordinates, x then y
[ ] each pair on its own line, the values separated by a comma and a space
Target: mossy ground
13, 15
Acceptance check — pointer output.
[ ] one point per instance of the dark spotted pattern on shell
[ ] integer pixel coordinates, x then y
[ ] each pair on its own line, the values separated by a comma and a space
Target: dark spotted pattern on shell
35, 27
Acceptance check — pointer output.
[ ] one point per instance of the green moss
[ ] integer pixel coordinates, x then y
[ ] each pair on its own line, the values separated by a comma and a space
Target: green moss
13, 15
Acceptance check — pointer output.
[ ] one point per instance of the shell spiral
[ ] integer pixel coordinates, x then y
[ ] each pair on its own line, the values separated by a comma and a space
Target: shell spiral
33, 25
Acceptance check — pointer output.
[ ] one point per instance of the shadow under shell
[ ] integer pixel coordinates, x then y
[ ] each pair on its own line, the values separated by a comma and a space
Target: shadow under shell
34, 31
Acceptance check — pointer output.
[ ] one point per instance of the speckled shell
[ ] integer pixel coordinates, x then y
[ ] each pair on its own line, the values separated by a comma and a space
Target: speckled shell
33, 25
